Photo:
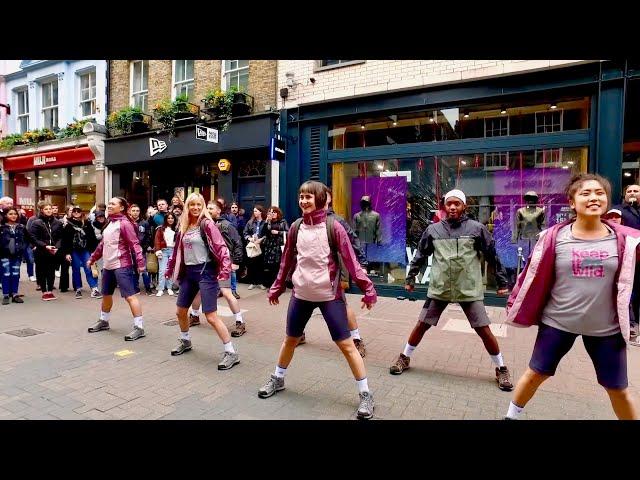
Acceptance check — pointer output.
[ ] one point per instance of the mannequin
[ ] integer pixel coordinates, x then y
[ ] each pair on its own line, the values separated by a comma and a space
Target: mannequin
529, 223
367, 222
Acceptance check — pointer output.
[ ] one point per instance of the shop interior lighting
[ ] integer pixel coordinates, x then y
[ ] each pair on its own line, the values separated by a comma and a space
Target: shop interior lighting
503, 110
362, 126
466, 114
380, 167
55, 175
431, 119
463, 162
553, 106
394, 119
570, 162
627, 174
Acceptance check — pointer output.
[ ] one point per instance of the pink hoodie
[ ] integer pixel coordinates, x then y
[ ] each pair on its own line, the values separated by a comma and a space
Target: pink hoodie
315, 273
118, 239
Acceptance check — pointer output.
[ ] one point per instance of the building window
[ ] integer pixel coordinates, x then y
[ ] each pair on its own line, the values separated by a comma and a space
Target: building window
50, 104
140, 84
331, 64
23, 110
235, 74
183, 79
551, 157
496, 127
496, 161
547, 122
88, 94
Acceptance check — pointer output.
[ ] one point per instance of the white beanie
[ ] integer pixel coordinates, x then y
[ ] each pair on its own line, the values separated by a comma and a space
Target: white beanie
456, 193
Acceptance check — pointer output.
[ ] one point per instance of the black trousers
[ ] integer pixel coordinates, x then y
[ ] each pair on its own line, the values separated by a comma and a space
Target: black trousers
64, 273
46, 270
255, 270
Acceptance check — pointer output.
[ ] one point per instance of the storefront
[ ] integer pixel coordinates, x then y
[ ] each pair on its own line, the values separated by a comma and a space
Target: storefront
62, 177
146, 167
511, 144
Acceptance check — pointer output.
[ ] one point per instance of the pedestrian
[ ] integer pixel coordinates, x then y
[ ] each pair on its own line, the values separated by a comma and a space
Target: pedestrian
119, 246
274, 232
614, 215
32, 247
46, 231
177, 211
253, 234
163, 209
145, 237
314, 261
78, 241
234, 244
200, 260
577, 284
176, 202
14, 241
457, 244
163, 246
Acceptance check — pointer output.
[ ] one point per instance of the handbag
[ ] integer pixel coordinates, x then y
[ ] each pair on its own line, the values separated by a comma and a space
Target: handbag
152, 263
253, 250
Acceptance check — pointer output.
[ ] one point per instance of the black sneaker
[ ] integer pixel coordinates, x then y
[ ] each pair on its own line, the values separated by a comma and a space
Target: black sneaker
78, 294
17, 299
6, 300
236, 294
149, 291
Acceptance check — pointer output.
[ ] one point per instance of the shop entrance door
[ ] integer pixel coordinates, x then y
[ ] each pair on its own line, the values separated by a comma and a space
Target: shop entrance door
250, 192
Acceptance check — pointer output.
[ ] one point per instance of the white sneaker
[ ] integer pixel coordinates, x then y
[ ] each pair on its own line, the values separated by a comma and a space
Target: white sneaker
160, 293
169, 292
251, 287
32, 278
262, 287
57, 273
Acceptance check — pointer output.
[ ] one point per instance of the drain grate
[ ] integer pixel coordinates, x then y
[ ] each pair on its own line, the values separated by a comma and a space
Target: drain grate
24, 332
171, 323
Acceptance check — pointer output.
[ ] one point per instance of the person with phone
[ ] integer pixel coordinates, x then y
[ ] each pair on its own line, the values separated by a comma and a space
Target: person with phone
46, 231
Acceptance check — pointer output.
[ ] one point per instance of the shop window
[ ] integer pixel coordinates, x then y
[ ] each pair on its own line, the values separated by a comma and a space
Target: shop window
140, 84
83, 186
496, 161
235, 73
496, 127
547, 122
330, 64
183, 78
252, 168
50, 105
88, 94
22, 101
25, 194
548, 158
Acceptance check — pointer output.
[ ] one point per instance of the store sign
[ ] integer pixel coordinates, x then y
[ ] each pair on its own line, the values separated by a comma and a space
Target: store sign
207, 134
52, 159
156, 146
277, 149
224, 165
401, 173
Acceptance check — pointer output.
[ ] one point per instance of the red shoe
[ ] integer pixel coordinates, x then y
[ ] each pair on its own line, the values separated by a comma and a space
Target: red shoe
46, 296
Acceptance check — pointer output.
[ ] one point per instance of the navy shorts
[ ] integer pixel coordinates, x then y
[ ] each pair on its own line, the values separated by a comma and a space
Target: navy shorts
608, 354
124, 278
333, 311
475, 312
199, 278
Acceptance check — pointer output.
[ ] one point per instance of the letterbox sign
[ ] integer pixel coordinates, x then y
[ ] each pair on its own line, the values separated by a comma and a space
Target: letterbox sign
52, 159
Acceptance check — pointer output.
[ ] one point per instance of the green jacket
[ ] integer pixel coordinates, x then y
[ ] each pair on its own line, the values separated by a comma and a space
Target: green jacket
457, 248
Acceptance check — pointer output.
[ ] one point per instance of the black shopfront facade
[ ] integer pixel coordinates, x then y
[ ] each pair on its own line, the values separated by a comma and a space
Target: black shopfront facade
167, 163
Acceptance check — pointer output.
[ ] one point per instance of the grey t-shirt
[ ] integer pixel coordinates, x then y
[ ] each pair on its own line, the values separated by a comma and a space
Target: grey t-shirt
582, 299
195, 251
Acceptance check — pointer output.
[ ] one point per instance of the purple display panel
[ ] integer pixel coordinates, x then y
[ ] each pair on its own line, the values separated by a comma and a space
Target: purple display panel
389, 199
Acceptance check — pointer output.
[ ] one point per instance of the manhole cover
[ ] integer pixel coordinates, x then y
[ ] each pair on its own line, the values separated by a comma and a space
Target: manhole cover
171, 323
25, 332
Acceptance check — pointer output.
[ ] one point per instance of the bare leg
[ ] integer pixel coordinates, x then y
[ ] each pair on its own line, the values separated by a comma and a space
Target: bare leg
196, 302
350, 352
219, 326
233, 303
527, 386
351, 319
622, 404
134, 305
286, 351
181, 313
107, 303
489, 340
417, 333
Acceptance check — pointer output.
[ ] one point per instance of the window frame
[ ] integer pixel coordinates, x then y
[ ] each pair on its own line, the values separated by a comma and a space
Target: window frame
318, 67
91, 73
175, 83
224, 85
141, 93
24, 90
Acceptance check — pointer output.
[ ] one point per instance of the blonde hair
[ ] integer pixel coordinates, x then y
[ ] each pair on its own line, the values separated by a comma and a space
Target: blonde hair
185, 217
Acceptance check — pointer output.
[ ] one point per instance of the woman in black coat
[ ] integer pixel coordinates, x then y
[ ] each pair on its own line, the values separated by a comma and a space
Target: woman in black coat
274, 232
46, 231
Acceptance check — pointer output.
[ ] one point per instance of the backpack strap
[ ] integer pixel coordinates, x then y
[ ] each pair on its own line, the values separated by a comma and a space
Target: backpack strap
295, 226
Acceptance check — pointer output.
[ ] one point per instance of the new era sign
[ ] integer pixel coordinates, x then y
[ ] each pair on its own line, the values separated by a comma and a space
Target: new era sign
156, 146
207, 134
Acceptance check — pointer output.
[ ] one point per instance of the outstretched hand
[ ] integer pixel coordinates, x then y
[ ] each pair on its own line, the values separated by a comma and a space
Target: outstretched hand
409, 288
368, 306
274, 301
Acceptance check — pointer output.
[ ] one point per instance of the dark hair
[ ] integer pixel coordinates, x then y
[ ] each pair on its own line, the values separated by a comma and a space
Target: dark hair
175, 221
101, 206
578, 180
6, 211
263, 212
133, 205
318, 190
125, 205
161, 200
277, 211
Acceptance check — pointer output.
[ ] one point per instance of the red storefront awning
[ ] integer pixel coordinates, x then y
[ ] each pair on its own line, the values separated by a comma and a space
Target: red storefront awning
50, 159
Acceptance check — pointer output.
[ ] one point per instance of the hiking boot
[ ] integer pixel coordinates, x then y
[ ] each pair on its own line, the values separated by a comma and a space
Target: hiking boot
100, 325
78, 295
228, 361
135, 334
504, 379
400, 365
365, 410
17, 299
194, 320
6, 300
183, 346
95, 293
236, 294
239, 330
273, 385
634, 342
359, 343
303, 340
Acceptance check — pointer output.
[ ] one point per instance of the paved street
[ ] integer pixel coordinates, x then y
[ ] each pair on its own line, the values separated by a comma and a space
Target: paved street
66, 373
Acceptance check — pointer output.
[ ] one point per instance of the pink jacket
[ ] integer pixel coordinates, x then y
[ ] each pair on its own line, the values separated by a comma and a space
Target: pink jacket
315, 272
217, 246
119, 238
533, 287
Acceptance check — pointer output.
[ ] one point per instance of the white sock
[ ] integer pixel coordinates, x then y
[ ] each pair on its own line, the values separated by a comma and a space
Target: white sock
185, 335
514, 411
105, 316
137, 321
363, 385
280, 372
228, 347
196, 311
239, 317
355, 334
497, 360
408, 350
